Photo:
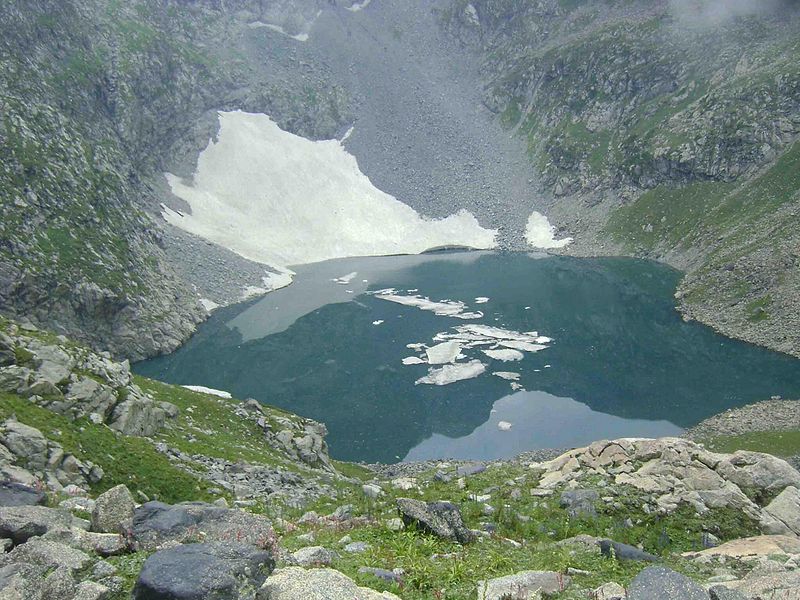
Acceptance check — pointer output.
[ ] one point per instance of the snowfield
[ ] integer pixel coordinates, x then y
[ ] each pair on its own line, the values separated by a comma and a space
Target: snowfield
541, 234
280, 199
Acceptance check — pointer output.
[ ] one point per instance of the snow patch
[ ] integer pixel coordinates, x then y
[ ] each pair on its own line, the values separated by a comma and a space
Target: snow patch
541, 234
357, 6
300, 37
451, 373
345, 279
504, 426
280, 199
209, 305
209, 391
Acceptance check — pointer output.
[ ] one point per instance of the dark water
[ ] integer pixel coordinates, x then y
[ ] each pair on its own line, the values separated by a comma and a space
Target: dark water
622, 362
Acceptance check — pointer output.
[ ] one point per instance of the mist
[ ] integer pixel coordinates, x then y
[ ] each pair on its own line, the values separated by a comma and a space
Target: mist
711, 13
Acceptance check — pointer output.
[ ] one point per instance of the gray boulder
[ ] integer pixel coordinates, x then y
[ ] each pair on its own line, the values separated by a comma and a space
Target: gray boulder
26, 443
16, 494
620, 551
20, 523
155, 523
21, 582
442, 519
660, 583
222, 571
138, 416
313, 556
580, 502
782, 515
87, 396
720, 592
522, 585
292, 583
59, 585
7, 354
113, 510
49, 555
90, 590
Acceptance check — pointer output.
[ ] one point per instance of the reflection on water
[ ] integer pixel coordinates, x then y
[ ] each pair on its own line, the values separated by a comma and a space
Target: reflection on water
620, 353
528, 420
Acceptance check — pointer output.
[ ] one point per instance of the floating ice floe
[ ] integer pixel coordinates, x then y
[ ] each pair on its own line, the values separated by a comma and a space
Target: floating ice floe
345, 279
209, 391
451, 373
517, 387
525, 346
378, 322
413, 360
442, 308
441, 354
504, 426
507, 375
481, 300
504, 355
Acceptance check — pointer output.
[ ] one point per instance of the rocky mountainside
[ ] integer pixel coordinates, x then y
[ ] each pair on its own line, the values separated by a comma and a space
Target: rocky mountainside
118, 487
665, 130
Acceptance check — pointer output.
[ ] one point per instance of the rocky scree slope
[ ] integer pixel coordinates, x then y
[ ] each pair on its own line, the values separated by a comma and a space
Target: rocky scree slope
228, 499
661, 133
93, 96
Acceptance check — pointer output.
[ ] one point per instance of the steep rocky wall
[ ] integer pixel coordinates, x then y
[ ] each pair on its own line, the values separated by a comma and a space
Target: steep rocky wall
664, 134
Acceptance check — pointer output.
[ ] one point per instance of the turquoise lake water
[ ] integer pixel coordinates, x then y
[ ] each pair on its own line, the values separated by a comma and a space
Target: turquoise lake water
619, 361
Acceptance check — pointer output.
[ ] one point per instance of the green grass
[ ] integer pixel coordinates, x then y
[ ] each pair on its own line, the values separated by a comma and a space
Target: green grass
779, 443
124, 459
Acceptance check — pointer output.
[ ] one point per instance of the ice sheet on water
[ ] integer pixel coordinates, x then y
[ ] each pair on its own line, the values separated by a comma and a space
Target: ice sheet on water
442, 308
345, 279
481, 300
507, 375
413, 360
446, 352
451, 373
504, 355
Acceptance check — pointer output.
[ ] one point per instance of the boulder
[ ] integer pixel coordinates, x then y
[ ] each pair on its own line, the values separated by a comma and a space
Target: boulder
609, 591
49, 555
155, 523
102, 544
313, 556
90, 590
782, 515
223, 571
20, 523
21, 582
59, 585
442, 519
292, 583
774, 586
522, 585
87, 396
138, 416
7, 354
16, 494
720, 592
660, 583
580, 502
26, 443
620, 551
113, 510
752, 547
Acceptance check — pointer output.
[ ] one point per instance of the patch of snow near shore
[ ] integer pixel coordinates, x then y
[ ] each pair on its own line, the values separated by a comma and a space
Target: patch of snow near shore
443, 308
209, 391
504, 355
280, 199
357, 6
443, 353
541, 234
300, 37
451, 373
209, 305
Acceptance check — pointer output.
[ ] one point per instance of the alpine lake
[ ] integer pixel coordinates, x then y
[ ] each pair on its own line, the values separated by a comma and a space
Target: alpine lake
477, 355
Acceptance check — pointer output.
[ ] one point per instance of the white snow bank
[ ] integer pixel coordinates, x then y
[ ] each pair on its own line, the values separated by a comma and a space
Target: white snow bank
451, 373
209, 391
300, 37
280, 199
446, 352
541, 234
357, 6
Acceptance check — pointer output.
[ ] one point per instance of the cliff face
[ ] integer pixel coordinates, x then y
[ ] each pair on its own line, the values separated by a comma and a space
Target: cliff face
663, 130
93, 97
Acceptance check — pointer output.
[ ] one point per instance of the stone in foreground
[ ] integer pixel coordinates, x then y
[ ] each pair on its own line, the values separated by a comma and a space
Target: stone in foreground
201, 571
522, 585
20, 523
292, 583
113, 510
442, 519
16, 494
660, 583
